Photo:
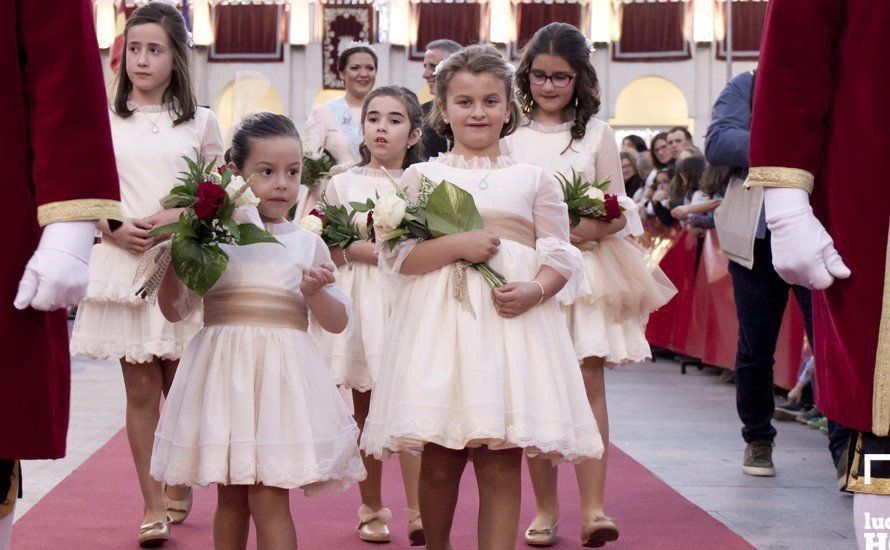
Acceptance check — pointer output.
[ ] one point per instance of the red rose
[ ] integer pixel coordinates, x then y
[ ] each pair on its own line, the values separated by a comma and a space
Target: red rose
612, 208
370, 224
210, 199
220, 169
317, 214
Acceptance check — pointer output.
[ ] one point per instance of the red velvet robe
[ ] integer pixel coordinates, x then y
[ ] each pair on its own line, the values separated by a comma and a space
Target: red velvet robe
58, 165
822, 104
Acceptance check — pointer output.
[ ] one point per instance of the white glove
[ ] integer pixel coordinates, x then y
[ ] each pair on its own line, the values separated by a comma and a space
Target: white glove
57, 274
803, 252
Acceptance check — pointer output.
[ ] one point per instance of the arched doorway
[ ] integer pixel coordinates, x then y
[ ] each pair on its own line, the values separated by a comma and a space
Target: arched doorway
248, 93
648, 105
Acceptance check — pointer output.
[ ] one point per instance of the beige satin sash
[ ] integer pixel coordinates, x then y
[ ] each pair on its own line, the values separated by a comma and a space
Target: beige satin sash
255, 306
509, 226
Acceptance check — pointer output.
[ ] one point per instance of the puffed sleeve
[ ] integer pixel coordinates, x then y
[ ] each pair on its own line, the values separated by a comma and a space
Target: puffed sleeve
72, 166
330, 191
212, 142
391, 260
323, 256
608, 166
551, 218
792, 91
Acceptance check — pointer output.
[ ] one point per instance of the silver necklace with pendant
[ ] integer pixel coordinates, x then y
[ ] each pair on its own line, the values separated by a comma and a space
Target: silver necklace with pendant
483, 181
155, 128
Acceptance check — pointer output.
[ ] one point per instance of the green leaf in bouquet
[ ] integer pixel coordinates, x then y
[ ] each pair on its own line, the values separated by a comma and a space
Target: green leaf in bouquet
362, 206
451, 210
165, 229
197, 266
226, 178
251, 234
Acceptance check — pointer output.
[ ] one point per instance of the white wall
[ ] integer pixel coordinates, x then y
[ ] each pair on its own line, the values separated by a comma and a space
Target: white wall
298, 78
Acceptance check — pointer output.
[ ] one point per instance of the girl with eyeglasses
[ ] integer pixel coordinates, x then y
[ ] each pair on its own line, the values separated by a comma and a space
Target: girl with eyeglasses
559, 93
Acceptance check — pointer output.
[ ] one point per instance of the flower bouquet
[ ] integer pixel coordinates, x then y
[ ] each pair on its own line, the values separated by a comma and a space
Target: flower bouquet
316, 167
209, 197
588, 200
440, 209
334, 224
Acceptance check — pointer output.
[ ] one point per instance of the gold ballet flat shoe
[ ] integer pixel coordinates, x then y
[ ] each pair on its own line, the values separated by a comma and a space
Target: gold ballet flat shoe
541, 536
178, 510
598, 532
153, 535
372, 525
416, 537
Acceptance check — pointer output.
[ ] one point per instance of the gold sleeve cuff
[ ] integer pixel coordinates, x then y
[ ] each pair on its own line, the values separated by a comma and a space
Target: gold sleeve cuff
79, 209
775, 176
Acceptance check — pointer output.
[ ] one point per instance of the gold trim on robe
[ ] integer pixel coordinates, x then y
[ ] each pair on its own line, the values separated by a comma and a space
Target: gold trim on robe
856, 484
776, 176
78, 210
880, 409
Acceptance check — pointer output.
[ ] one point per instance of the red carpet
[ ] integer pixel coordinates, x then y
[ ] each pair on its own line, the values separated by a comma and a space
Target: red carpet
99, 507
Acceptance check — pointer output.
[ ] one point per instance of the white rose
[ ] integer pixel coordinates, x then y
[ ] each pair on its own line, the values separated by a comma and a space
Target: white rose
312, 224
595, 194
247, 198
389, 211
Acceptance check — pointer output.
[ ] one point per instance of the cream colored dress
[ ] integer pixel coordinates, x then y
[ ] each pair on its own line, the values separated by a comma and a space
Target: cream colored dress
112, 322
335, 126
458, 374
354, 360
252, 402
625, 287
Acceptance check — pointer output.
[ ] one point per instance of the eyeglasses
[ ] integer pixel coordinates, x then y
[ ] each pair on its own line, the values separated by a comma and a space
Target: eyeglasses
559, 80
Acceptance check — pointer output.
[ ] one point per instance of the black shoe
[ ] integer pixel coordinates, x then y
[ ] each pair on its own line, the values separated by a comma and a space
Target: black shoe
789, 411
759, 459
812, 414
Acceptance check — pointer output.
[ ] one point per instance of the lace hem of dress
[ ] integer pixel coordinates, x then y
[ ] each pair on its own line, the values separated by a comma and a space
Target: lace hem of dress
140, 352
411, 435
376, 172
456, 160
613, 356
336, 473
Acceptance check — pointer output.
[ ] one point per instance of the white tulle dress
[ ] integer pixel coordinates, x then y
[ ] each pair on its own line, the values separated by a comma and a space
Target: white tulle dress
625, 285
252, 401
458, 374
112, 322
354, 359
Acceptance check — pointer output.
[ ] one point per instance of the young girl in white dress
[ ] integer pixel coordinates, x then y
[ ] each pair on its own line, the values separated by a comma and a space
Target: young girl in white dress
155, 120
392, 122
491, 375
559, 91
253, 408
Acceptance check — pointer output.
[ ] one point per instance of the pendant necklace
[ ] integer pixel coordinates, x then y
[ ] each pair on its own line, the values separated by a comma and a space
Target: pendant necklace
483, 181
154, 123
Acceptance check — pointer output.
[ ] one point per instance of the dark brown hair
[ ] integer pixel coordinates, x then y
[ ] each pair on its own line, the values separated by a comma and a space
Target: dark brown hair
343, 58
565, 41
258, 126
694, 169
477, 59
415, 118
179, 95
714, 180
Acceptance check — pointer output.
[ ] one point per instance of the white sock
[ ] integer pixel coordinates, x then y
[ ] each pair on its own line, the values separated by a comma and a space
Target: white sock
878, 509
6, 528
